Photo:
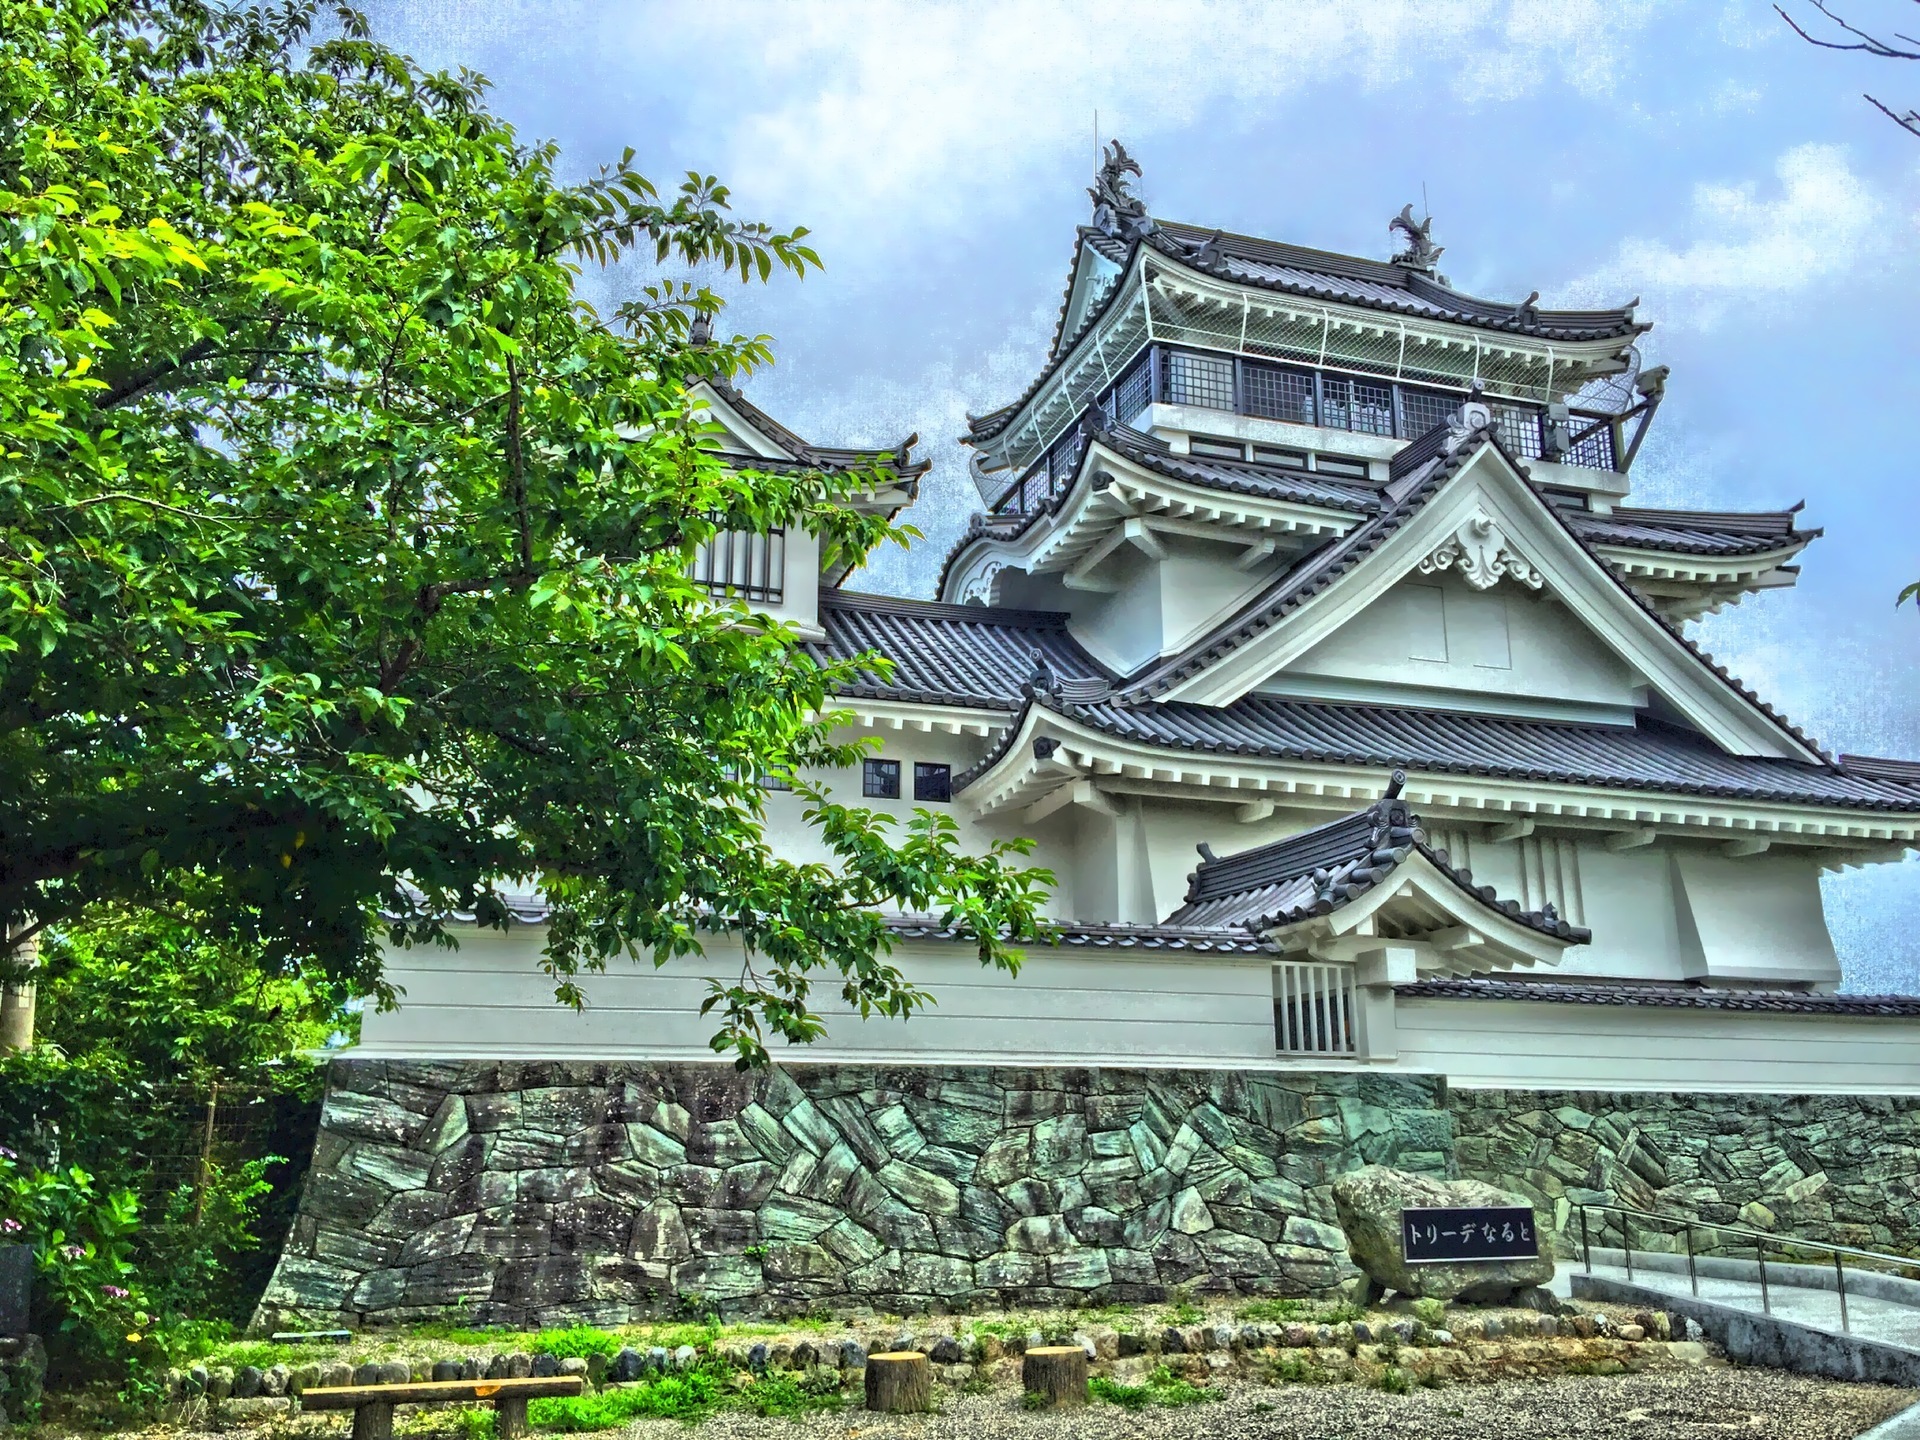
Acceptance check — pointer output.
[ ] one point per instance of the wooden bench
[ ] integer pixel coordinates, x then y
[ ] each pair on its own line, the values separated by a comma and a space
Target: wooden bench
372, 1405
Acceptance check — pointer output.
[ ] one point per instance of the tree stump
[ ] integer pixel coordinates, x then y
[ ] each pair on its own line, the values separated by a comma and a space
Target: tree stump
1058, 1373
899, 1381
373, 1421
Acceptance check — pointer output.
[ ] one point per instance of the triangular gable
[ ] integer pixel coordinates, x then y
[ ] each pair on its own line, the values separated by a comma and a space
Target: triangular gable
1092, 280
741, 435
1472, 511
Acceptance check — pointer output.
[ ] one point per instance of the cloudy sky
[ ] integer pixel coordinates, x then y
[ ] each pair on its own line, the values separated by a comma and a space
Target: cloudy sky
1698, 156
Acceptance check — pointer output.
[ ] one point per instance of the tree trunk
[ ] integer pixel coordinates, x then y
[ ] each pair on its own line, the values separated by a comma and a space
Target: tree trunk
17, 995
899, 1381
1057, 1372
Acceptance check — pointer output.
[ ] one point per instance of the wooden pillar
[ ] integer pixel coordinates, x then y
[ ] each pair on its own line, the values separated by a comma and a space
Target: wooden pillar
899, 1381
510, 1417
374, 1420
1058, 1373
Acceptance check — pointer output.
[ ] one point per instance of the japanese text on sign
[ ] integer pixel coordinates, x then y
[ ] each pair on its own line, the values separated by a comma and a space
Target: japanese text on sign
1434, 1235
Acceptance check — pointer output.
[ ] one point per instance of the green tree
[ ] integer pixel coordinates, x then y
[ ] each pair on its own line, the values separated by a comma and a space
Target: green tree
343, 549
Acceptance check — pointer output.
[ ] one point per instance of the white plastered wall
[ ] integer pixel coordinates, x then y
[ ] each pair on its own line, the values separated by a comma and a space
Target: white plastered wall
1536, 1045
1068, 1005
1439, 635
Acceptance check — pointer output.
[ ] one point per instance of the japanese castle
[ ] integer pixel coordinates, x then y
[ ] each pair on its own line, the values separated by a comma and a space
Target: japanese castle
1309, 629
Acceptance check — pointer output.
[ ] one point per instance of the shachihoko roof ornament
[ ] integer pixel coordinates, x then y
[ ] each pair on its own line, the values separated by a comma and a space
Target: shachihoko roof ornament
1421, 253
1117, 211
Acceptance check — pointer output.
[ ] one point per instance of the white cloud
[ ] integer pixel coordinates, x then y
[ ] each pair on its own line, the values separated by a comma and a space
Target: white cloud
909, 113
1822, 220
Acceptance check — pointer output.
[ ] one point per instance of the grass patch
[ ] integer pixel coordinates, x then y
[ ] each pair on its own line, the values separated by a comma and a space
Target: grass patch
457, 1334
1187, 1313
1162, 1388
1393, 1380
691, 1396
575, 1342
673, 1336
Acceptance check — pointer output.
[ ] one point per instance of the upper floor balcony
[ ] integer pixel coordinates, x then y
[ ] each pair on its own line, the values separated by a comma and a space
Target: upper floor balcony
1323, 400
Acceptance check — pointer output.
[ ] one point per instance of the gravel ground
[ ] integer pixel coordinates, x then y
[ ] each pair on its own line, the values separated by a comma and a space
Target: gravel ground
1687, 1405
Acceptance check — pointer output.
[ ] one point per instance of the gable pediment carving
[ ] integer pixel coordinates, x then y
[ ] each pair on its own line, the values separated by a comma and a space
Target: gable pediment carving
1480, 553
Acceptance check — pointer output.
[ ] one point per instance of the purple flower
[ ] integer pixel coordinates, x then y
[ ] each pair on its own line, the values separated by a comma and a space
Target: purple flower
11, 1226
6, 1154
115, 1292
72, 1252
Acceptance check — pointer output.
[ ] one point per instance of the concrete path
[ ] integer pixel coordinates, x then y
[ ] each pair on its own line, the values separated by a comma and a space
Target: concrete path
1888, 1321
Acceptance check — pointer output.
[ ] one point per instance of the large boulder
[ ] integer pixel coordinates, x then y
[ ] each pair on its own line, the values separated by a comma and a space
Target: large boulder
1369, 1202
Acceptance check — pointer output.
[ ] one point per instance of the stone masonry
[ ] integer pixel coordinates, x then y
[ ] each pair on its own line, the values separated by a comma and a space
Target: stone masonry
559, 1192
1840, 1168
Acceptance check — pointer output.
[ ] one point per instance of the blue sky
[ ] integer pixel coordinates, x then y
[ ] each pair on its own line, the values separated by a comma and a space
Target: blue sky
1697, 156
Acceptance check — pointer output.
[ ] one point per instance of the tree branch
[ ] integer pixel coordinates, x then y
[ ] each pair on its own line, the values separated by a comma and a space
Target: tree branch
517, 466
134, 386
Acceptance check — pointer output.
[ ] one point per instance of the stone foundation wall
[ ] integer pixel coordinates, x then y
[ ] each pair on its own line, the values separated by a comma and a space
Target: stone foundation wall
1840, 1168
552, 1193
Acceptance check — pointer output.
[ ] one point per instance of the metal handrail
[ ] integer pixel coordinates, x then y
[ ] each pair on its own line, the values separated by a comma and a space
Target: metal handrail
1910, 1261
1760, 1241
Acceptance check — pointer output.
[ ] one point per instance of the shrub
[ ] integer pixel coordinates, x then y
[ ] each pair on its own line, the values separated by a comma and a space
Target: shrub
1430, 1311
576, 1341
1393, 1380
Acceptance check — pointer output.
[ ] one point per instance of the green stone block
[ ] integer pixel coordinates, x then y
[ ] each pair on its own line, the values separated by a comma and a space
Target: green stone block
655, 1148
852, 1243
1059, 1147
764, 1133
898, 1133
807, 1125
926, 1192
1080, 1270
1006, 1160
790, 1219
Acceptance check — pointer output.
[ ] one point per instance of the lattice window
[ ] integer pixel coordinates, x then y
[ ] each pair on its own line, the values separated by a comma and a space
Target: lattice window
1519, 430
1205, 380
1313, 1009
880, 780
1276, 394
1594, 451
742, 565
932, 782
1133, 394
1421, 410
1372, 412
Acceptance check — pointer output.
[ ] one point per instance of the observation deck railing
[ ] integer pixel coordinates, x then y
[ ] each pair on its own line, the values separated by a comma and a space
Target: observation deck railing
1306, 395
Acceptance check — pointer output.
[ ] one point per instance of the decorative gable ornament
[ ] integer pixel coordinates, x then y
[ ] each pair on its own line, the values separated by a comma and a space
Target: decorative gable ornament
1479, 553
983, 585
1117, 211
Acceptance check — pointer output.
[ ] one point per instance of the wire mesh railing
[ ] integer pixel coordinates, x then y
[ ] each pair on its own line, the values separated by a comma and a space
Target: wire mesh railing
1718, 1253
1298, 394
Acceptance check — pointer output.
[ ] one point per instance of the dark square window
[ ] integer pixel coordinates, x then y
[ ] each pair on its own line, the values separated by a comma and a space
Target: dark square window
932, 782
882, 780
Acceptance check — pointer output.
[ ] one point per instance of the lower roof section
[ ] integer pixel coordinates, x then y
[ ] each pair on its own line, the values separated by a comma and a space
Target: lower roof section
1661, 997
1647, 756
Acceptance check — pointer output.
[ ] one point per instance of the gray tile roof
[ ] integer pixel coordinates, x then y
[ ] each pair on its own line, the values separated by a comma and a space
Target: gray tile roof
949, 654
1417, 473
1322, 869
801, 452
1647, 756
1574, 991
1379, 285
1689, 532
1314, 275
1080, 934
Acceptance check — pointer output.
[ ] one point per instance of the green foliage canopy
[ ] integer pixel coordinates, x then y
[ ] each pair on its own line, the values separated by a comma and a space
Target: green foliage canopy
343, 549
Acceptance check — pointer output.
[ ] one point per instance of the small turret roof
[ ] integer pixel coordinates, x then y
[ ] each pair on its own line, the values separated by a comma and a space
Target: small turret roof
1320, 870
